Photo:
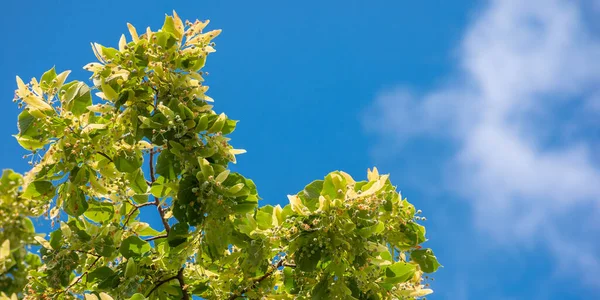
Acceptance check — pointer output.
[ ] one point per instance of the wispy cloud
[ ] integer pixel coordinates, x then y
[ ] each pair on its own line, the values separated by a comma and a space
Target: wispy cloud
522, 109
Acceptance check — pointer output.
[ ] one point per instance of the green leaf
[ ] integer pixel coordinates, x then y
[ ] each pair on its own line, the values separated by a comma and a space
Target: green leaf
75, 204
144, 229
178, 234
426, 259
143, 198
39, 190
181, 210
28, 225
176, 148
200, 288
169, 26
99, 212
77, 98
77, 227
222, 176
310, 194
245, 207
127, 209
331, 185
127, 162
10, 181
371, 230
202, 123
26, 125
229, 126
47, 77
130, 269
218, 124
321, 290
205, 167
39, 239
56, 239
30, 143
137, 182
308, 261
81, 101
165, 39
138, 296
159, 189
124, 96
399, 272
167, 165
79, 176
105, 246
133, 246
186, 190
264, 217
100, 274
415, 233
109, 92
288, 279
108, 52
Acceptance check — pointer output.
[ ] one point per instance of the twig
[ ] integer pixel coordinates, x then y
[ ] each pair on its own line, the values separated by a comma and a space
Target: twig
156, 237
107, 157
160, 283
144, 204
88, 253
260, 279
81, 276
135, 208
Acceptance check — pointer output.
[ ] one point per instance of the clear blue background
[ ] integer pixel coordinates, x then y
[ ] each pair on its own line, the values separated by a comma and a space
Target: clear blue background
299, 75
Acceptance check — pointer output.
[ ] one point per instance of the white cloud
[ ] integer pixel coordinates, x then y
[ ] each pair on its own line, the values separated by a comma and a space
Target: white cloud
530, 78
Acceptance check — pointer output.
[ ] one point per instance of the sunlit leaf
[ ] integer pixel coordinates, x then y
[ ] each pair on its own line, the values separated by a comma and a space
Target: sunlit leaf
426, 259
133, 246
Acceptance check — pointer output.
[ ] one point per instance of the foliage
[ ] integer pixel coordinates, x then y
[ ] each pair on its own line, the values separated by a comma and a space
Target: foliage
152, 139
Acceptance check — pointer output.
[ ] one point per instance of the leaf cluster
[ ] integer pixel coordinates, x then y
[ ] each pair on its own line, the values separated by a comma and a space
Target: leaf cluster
150, 142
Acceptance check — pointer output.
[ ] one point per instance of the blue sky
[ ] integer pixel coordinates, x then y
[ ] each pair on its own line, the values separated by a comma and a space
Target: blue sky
484, 112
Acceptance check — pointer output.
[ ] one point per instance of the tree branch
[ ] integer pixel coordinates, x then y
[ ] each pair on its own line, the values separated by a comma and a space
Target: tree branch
156, 237
81, 276
159, 208
160, 283
135, 208
107, 157
144, 204
260, 279
88, 253
152, 177
161, 212
180, 278
129, 216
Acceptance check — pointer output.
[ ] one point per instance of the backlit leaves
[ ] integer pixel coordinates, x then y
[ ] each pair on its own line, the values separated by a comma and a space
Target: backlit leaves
127, 161
133, 246
39, 189
425, 259
137, 182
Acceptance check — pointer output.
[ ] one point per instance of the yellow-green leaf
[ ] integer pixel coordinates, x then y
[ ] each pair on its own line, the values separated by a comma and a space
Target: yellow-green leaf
133, 32
109, 92
43, 242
